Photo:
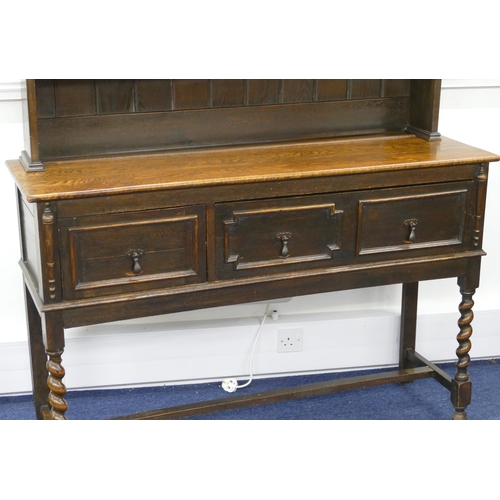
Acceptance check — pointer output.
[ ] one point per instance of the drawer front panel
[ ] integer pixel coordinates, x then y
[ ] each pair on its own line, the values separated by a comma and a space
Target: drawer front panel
277, 235
412, 219
134, 251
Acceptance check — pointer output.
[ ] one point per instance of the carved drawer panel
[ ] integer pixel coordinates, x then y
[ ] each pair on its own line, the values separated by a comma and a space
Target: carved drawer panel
413, 218
132, 251
280, 235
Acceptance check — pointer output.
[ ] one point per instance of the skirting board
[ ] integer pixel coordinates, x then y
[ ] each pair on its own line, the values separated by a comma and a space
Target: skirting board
132, 354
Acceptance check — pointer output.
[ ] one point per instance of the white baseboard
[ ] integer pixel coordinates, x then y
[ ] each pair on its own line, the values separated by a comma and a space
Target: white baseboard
128, 355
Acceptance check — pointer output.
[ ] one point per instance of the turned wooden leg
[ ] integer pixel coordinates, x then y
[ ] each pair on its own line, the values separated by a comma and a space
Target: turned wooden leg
461, 389
38, 357
54, 333
58, 405
408, 329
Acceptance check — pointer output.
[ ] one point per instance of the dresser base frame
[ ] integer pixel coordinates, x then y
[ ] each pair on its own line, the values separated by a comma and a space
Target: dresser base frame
46, 334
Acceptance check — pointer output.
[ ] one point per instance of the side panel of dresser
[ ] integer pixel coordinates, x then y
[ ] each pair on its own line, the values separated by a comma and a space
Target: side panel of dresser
39, 249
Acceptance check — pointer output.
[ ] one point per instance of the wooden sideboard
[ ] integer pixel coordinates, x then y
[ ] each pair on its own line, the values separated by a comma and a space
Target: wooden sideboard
146, 197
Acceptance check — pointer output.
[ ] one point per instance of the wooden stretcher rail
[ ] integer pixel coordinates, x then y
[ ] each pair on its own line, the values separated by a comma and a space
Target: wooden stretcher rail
285, 394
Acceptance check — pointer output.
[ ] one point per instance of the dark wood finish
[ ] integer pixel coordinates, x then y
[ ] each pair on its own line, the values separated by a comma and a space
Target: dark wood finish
298, 91
38, 356
225, 93
191, 94
64, 101
395, 88
260, 92
461, 389
92, 96
462, 386
479, 203
262, 288
54, 347
272, 235
115, 97
30, 156
363, 89
425, 97
185, 128
287, 394
153, 95
46, 102
408, 330
416, 359
103, 255
402, 220
122, 236
78, 118
331, 90
50, 287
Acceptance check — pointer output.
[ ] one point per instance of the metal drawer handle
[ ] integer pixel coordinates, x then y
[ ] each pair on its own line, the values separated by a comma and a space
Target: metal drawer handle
411, 224
135, 254
284, 237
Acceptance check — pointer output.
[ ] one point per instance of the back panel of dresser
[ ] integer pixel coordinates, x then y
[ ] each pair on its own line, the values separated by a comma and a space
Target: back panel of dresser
82, 118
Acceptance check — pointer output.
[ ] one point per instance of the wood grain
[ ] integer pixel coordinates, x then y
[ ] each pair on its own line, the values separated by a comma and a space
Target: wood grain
114, 96
45, 99
81, 118
395, 88
226, 166
111, 134
114, 237
260, 288
298, 90
362, 89
285, 394
153, 95
190, 94
74, 97
331, 90
227, 93
263, 92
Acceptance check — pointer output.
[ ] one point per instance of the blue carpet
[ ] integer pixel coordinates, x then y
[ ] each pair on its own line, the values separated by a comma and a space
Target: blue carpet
420, 400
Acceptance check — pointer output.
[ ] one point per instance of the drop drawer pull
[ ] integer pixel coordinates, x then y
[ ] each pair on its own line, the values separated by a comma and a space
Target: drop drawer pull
411, 224
284, 237
135, 254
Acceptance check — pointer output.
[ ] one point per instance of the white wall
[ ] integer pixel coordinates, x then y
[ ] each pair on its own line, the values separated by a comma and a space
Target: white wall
214, 343
11, 142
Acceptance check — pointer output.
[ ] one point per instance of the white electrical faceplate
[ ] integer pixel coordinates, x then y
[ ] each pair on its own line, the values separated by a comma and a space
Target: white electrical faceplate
290, 340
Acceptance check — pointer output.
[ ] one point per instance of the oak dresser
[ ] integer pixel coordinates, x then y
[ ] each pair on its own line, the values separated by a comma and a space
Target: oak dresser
146, 197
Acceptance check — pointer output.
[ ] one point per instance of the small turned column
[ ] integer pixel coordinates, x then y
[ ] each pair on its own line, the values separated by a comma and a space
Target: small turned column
57, 389
461, 389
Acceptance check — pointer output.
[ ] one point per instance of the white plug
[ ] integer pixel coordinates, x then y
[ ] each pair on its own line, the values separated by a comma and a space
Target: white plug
230, 385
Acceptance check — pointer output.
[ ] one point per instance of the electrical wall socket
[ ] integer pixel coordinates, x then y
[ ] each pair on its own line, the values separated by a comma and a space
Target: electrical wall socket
290, 340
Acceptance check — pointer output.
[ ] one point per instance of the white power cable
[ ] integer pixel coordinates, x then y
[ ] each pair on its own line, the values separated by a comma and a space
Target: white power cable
231, 384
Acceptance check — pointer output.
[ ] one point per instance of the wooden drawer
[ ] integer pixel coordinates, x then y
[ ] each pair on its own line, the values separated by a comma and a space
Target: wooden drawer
270, 236
320, 231
133, 251
411, 219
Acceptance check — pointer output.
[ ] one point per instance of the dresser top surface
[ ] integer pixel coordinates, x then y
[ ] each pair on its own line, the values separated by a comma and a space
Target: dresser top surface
238, 165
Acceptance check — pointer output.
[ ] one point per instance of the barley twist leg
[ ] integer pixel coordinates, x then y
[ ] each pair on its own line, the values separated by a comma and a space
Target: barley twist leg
57, 389
462, 386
